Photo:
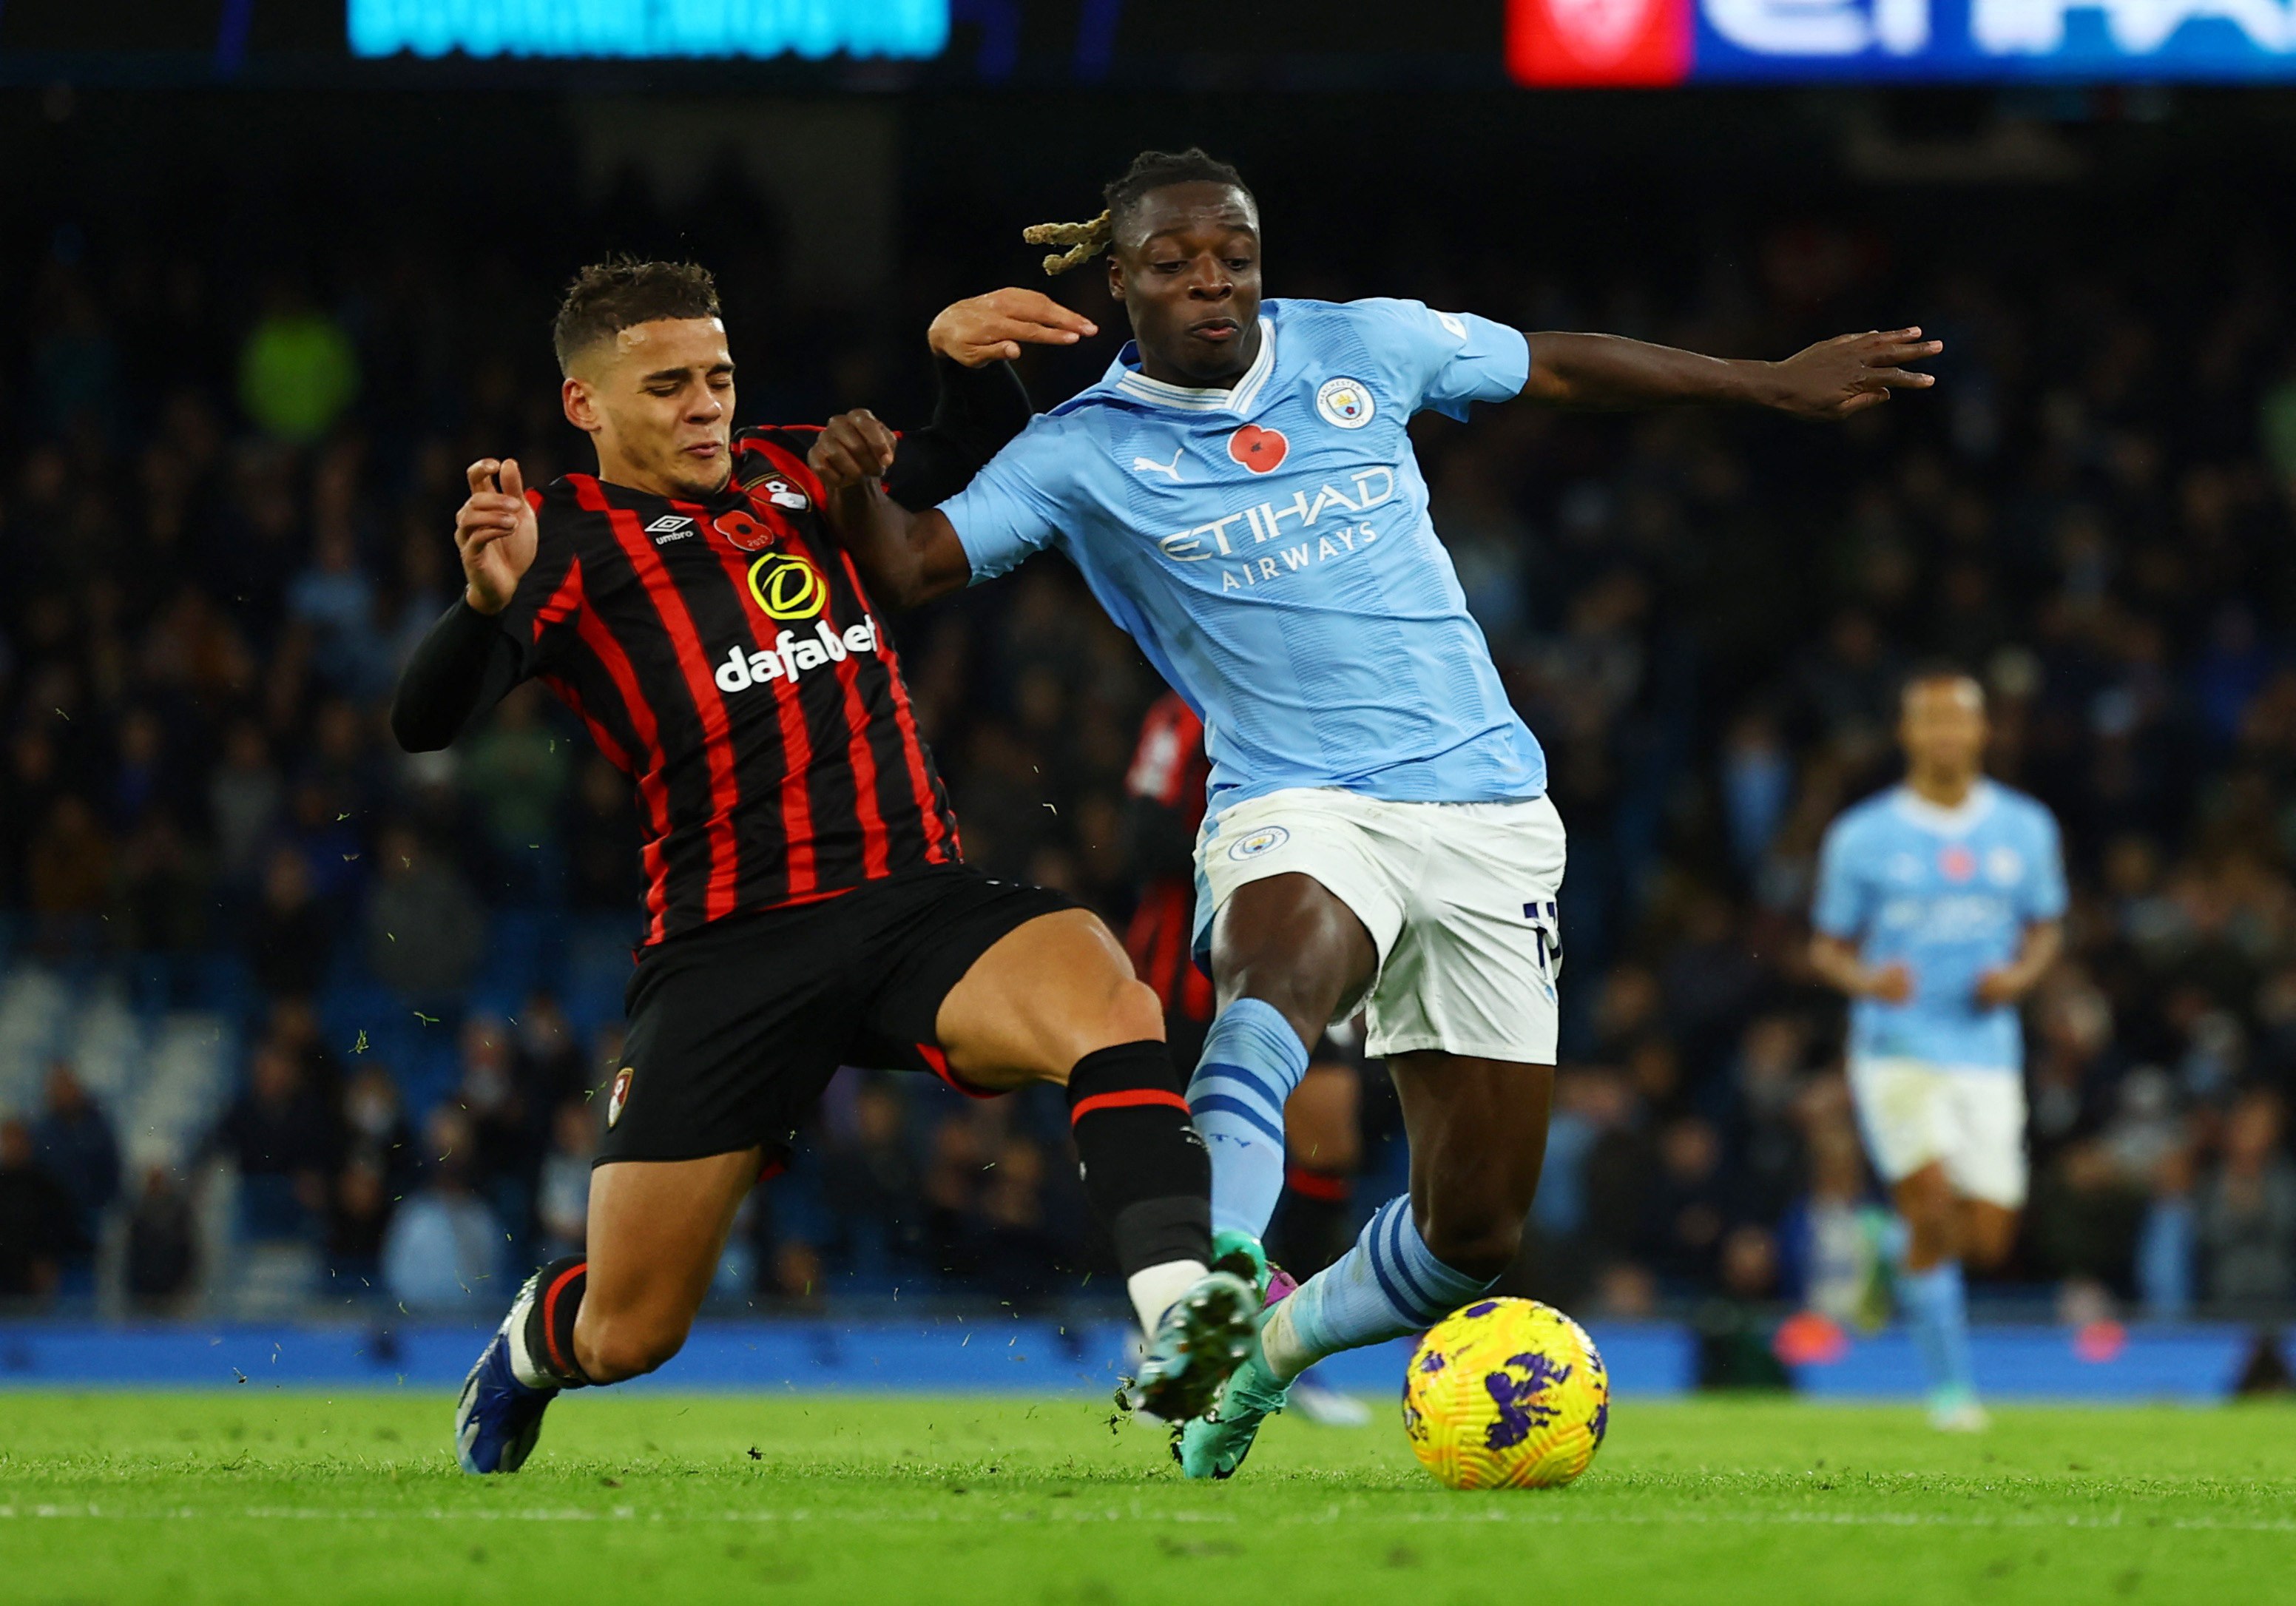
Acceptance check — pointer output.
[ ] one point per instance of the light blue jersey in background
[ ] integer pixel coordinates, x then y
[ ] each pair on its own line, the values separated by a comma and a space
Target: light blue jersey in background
1269, 549
1947, 893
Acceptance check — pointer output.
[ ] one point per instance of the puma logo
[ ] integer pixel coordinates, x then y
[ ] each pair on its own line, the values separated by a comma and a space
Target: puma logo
1149, 465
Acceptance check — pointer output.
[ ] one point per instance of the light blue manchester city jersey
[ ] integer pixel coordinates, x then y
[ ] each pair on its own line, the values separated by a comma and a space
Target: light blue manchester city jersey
1269, 549
1948, 893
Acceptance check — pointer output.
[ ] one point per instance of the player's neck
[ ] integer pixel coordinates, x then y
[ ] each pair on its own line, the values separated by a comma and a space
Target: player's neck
1948, 788
1154, 367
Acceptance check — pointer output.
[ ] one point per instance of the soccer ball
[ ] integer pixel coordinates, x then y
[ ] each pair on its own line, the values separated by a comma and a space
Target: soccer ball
1506, 1394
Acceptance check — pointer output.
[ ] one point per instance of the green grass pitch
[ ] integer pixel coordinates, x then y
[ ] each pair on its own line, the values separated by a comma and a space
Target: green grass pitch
273, 1497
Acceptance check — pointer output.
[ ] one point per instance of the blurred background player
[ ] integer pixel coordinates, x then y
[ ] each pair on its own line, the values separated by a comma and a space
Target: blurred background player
1939, 905
808, 902
1240, 492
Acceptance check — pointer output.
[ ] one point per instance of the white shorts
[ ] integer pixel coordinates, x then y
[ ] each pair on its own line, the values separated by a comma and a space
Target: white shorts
1460, 898
1971, 1119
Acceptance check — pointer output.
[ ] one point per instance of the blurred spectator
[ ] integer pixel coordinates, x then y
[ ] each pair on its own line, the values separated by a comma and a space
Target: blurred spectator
376, 1133
74, 1141
563, 1201
39, 1224
444, 1251
2248, 1209
426, 931
517, 769
358, 1222
68, 884
244, 799
282, 1136
1685, 1213
291, 934
162, 1243
1830, 1240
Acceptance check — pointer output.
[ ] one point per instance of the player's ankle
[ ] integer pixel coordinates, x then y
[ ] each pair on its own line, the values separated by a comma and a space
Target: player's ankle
1156, 1289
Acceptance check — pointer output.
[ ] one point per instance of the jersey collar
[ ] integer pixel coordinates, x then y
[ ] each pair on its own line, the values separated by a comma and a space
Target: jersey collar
1956, 822
1124, 377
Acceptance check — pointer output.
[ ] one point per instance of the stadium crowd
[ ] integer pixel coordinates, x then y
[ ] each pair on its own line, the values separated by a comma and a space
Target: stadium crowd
225, 507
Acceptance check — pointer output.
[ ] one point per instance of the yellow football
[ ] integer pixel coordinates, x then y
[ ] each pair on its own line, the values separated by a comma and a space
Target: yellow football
1506, 1394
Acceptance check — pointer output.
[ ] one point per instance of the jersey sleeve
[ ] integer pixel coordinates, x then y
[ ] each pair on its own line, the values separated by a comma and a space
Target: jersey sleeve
1444, 360
1844, 897
1008, 512
2045, 888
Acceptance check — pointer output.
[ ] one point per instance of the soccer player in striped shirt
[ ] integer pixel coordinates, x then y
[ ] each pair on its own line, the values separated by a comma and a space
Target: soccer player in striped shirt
806, 903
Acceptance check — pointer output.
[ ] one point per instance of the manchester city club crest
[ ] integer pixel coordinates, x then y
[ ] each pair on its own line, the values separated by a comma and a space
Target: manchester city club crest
1264, 840
1346, 404
620, 1095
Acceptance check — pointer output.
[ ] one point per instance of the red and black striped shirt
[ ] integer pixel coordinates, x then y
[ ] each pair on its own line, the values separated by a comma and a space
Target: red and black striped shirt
725, 656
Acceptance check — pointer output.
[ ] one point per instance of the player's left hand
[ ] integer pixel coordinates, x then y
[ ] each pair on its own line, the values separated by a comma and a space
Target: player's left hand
1850, 372
1995, 988
853, 447
981, 330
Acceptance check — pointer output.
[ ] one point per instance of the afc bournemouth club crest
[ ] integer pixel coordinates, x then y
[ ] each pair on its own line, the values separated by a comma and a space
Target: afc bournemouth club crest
1257, 449
1345, 404
620, 1095
781, 493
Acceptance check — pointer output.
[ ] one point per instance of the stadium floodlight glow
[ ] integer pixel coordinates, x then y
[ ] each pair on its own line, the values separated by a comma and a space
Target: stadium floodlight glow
640, 29
1659, 42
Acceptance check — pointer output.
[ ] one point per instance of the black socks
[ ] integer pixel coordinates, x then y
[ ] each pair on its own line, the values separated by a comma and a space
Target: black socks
1145, 1170
549, 1335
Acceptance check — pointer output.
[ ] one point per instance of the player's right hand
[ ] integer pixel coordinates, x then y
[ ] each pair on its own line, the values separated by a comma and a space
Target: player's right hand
1892, 983
853, 447
496, 532
981, 330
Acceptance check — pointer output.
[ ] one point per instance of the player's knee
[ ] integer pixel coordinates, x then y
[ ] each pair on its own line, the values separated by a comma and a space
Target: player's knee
1120, 1011
628, 1347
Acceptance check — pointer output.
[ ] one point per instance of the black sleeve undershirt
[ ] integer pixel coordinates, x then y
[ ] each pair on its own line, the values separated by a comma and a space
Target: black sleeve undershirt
464, 665
977, 410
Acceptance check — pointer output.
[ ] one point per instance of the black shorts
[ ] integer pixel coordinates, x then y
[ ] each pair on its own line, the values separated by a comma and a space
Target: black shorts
735, 1028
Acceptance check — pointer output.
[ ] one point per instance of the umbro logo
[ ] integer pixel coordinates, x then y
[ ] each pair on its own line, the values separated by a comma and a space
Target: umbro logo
668, 528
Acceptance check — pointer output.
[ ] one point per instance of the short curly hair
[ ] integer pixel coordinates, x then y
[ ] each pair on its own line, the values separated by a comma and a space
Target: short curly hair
609, 297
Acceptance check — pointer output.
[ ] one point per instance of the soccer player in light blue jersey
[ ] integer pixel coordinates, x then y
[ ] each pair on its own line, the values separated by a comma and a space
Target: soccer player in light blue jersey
1941, 904
1240, 495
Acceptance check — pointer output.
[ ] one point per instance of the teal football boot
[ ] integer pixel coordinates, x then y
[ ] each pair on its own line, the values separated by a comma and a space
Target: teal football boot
1214, 1443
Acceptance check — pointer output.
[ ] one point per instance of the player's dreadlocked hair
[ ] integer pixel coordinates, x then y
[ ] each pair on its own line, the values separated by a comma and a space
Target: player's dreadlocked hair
609, 297
1149, 170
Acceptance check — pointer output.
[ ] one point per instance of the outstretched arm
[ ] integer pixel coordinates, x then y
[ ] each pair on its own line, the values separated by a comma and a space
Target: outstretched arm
1831, 380
910, 557
907, 558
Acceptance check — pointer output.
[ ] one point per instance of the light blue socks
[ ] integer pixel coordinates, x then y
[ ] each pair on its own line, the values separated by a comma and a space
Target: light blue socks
1252, 1059
1937, 1313
1388, 1284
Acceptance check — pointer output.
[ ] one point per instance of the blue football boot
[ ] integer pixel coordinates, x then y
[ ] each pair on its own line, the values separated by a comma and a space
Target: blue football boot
498, 1417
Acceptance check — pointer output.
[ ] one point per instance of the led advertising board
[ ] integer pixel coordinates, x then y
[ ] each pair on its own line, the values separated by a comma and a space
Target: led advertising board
1662, 42
630, 29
